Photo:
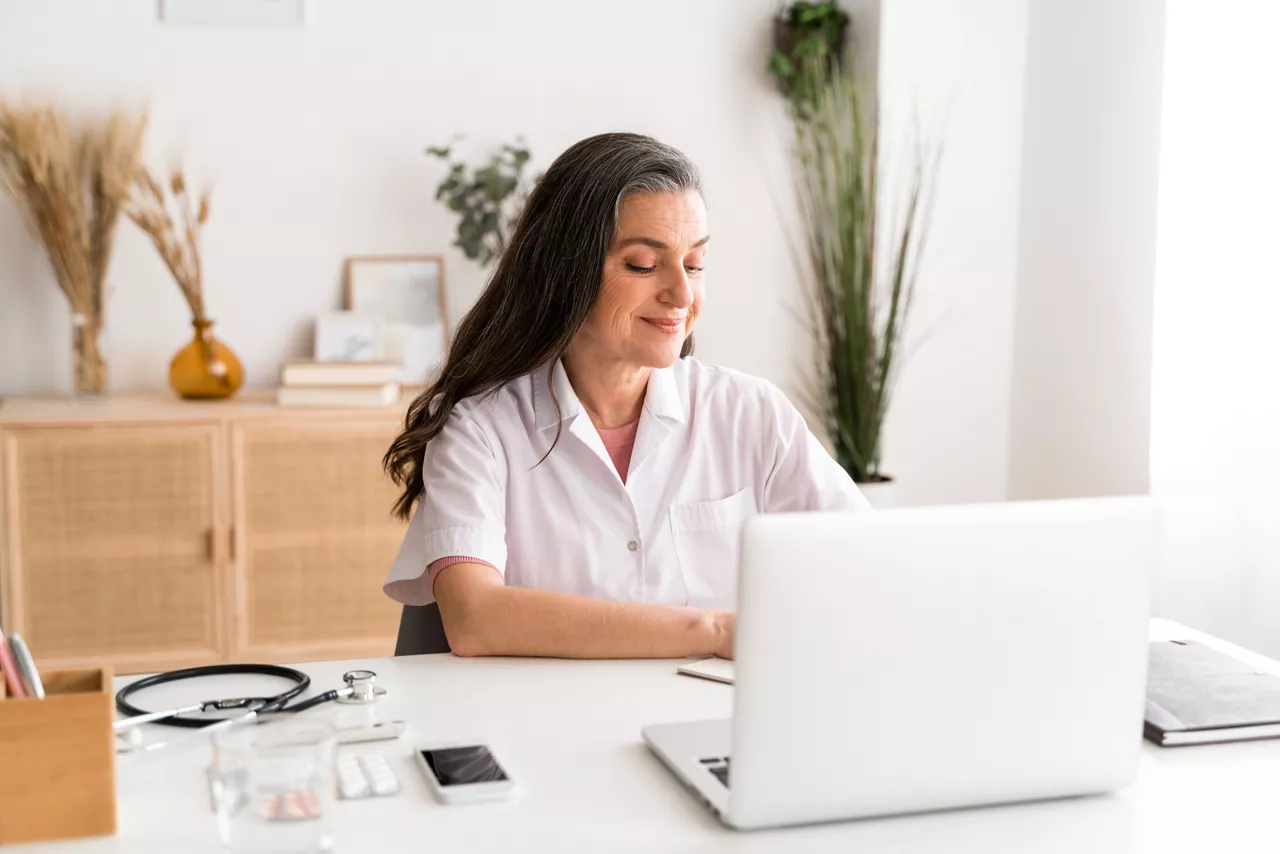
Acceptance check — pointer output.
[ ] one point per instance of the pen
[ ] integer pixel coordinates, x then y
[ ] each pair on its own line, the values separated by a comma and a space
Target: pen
10, 668
26, 666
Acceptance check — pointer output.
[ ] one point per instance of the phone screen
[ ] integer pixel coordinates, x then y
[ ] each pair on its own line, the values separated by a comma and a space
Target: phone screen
461, 766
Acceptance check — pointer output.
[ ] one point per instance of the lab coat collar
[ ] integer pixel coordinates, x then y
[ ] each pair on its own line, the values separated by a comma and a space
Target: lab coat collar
662, 397
544, 405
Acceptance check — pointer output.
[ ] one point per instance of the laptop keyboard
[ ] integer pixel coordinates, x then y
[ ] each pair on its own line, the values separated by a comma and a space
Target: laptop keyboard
719, 766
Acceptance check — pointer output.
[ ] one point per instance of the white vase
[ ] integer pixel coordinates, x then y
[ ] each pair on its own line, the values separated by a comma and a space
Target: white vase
881, 495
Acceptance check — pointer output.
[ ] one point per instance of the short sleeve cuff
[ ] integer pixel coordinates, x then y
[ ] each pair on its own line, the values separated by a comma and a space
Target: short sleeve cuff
409, 583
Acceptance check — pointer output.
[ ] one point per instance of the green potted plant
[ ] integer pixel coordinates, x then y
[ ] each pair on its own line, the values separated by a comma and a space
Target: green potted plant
487, 198
861, 268
807, 34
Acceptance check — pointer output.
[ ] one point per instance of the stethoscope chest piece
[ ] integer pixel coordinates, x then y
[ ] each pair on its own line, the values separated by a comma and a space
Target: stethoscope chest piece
363, 687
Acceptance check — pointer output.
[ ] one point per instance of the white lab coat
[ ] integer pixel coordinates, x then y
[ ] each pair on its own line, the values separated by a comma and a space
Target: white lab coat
713, 447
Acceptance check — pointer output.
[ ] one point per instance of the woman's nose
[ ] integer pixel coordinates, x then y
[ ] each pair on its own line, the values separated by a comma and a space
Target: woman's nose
677, 290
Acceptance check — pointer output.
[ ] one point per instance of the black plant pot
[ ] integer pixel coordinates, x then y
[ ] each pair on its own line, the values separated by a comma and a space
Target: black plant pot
786, 36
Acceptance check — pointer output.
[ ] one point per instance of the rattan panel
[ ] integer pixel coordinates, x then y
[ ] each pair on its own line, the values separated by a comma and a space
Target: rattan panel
114, 527
325, 589
302, 478
318, 532
81, 486
102, 606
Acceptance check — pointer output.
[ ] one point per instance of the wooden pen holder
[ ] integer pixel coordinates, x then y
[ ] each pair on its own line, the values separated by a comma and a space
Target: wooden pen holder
58, 759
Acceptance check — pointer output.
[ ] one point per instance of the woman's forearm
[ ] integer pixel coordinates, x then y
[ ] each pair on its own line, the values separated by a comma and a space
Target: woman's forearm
499, 620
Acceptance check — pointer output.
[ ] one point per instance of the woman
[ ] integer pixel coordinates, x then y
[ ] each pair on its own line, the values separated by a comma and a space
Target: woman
580, 480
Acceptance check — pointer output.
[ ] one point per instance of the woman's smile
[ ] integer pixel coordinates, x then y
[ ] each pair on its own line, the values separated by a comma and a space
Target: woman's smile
669, 325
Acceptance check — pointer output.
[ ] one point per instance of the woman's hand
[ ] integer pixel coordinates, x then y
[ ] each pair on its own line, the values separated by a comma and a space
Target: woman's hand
724, 623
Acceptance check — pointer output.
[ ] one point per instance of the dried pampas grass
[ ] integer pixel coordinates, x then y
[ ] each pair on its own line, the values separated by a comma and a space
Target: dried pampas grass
70, 187
175, 233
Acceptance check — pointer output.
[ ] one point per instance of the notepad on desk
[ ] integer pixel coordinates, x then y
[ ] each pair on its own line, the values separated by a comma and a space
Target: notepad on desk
1197, 695
715, 669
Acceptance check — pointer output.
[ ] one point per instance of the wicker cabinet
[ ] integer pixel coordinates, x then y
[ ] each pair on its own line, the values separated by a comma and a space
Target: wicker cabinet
315, 538
150, 533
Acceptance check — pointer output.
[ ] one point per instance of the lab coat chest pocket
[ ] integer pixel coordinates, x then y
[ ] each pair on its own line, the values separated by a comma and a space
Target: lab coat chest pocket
707, 537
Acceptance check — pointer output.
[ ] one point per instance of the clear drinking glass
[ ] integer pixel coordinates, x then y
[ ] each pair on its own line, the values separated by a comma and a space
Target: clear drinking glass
274, 786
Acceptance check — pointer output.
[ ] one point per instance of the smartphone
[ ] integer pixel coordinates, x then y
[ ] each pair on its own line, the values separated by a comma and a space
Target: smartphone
463, 772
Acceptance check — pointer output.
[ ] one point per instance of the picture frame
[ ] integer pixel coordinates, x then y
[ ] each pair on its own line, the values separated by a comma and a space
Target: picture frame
408, 297
346, 336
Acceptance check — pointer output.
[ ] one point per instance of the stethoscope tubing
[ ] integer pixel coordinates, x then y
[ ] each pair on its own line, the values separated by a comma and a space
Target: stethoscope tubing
254, 705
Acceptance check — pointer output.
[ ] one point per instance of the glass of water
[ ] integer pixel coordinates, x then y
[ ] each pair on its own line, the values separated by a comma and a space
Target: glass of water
274, 786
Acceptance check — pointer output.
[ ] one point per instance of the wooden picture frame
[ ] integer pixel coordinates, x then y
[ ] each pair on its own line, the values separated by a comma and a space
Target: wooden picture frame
397, 291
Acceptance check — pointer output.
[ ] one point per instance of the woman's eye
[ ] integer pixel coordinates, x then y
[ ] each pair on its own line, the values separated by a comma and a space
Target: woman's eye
637, 269
693, 269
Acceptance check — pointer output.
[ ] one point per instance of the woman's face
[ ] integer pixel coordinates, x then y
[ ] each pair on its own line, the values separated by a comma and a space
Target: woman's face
653, 287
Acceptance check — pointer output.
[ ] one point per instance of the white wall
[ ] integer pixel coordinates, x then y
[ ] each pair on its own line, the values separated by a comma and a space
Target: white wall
1215, 459
1080, 406
958, 68
313, 141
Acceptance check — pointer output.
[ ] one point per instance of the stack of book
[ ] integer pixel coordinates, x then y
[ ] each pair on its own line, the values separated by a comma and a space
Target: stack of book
309, 383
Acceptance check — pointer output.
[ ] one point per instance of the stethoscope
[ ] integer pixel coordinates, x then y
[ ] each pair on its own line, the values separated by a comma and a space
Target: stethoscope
359, 688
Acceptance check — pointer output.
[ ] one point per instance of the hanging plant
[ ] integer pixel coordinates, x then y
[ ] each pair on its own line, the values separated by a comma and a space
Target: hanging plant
807, 35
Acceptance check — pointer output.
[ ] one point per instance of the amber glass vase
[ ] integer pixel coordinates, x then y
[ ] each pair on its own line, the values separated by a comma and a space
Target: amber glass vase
206, 368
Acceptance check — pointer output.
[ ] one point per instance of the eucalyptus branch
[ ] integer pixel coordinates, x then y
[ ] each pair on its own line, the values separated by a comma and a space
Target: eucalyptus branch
487, 199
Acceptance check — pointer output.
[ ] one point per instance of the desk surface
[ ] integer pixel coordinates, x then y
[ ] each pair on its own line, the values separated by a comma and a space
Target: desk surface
570, 734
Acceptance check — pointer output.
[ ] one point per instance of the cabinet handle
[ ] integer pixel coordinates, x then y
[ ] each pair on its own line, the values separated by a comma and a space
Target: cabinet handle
209, 543
231, 541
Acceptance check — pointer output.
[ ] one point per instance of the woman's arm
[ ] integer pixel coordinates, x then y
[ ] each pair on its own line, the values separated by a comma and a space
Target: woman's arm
802, 476
482, 616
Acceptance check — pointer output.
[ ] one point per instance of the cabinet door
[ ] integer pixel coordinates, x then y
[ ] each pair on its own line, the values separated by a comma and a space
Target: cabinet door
112, 544
315, 537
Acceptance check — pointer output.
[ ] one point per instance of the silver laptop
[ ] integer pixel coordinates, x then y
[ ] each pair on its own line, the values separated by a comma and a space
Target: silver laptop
920, 659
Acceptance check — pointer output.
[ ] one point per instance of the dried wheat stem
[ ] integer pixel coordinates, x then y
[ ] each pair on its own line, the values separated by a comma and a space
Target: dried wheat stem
67, 188
177, 244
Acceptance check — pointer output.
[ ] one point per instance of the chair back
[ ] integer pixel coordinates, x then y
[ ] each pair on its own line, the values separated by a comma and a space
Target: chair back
421, 631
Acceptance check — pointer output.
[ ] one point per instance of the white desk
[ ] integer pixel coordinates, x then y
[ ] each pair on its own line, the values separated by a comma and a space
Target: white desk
570, 734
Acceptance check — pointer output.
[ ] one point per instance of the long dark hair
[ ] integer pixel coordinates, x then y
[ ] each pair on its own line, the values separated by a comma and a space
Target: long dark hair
544, 286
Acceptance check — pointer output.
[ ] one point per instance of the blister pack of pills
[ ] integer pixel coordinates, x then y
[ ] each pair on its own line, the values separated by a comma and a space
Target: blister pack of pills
366, 776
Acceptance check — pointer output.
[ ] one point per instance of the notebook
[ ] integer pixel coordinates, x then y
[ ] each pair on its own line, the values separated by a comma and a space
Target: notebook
1197, 695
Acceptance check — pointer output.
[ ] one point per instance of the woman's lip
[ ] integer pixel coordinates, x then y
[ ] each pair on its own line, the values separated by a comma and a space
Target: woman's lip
665, 325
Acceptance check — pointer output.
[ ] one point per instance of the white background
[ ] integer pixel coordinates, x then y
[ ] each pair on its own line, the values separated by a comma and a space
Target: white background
1215, 455
313, 143
1080, 408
